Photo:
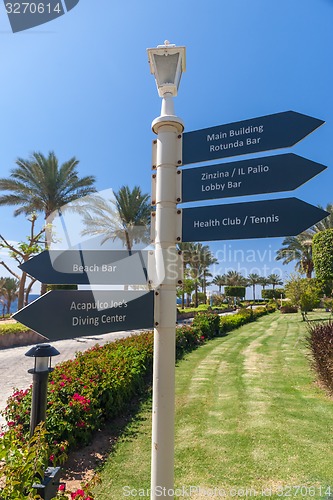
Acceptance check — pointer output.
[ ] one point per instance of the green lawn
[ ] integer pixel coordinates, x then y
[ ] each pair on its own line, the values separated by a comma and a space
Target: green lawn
248, 416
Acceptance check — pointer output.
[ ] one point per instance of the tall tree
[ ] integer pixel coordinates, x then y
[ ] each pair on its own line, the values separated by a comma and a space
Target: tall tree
21, 252
253, 279
40, 184
299, 249
197, 257
274, 280
219, 280
125, 217
324, 224
234, 278
264, 282
9, 292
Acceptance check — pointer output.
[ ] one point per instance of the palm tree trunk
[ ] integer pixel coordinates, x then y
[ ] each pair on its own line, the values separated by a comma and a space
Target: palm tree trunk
20, 297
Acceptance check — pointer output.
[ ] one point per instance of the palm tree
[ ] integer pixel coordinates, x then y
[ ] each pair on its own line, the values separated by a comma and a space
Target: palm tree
234, 278
197, 258
298, 248
253, 279
40, 184
219, 280
326, 223
9, 291
274, 280
264, 282
126, 217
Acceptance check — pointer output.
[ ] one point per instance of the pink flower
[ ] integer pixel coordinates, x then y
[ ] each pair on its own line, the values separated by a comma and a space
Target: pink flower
51, 458
62, 487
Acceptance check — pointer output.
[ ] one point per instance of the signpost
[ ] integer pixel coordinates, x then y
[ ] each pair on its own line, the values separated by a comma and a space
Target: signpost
64, 314
280, 130
258, 219
83, 267
269, 174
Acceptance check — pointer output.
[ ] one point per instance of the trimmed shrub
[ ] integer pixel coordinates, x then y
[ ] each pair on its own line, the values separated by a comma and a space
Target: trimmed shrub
206, 324
235, 291
288, 309
320, 341
273, 294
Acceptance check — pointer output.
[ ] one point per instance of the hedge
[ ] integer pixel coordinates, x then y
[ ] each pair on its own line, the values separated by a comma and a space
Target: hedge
98, 384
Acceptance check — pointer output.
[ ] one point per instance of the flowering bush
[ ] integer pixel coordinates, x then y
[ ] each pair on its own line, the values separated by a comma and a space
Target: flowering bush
187, 339
23, 462
88, 390
206, 325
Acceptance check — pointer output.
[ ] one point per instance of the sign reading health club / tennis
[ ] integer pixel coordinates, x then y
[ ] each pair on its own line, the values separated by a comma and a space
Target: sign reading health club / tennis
258, 219
280, 130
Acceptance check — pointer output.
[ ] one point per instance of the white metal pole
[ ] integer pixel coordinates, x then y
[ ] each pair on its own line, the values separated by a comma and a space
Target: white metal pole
168, 128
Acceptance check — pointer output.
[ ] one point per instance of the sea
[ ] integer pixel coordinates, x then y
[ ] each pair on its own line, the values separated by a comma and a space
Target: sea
32, 297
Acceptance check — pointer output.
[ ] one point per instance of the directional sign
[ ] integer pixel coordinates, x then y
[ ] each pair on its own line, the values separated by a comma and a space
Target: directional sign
65, 314
259, 219
281, 130
81, 267
269, 174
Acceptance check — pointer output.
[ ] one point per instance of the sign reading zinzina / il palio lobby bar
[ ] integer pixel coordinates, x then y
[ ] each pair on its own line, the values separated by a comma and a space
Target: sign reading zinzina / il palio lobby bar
270, 174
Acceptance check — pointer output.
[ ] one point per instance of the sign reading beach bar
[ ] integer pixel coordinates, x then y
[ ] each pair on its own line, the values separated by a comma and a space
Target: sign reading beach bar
280, 130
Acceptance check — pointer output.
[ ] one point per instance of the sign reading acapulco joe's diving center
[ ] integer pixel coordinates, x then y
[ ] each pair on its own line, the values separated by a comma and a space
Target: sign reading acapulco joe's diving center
86, 312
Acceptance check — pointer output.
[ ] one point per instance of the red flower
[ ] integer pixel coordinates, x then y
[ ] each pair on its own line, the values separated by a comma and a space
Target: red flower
51, 458
77, 493
62, 487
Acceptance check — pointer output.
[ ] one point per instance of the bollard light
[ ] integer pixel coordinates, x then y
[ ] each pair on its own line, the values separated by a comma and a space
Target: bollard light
43, 353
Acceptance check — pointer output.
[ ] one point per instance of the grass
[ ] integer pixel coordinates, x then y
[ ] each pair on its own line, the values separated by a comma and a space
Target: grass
248, 415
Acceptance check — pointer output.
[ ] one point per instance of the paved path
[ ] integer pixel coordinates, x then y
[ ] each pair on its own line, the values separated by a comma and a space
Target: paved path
14, 365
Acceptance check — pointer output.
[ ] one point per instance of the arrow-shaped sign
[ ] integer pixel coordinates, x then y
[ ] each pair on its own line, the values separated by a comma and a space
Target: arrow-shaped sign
258, 219
270, 174
64, 314
82, 267
281, 130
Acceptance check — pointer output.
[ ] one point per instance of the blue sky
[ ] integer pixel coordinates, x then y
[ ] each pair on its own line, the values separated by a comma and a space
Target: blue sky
80, 85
